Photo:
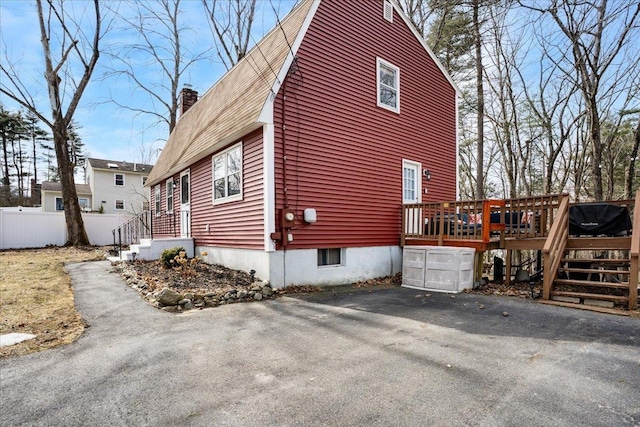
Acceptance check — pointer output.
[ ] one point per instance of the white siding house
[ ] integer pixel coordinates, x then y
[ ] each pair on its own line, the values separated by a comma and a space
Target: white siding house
111, 187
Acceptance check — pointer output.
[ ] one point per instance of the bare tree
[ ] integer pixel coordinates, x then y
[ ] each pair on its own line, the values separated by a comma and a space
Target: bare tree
70, 47
597, 36
230, 22
159, 32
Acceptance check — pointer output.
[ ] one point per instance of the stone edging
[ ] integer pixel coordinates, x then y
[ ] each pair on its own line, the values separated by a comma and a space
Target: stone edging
172, 301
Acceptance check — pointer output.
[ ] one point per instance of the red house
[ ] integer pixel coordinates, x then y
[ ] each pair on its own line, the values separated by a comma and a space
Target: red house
297, 161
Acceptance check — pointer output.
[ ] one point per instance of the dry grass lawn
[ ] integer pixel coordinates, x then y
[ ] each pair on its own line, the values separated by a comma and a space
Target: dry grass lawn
36, 297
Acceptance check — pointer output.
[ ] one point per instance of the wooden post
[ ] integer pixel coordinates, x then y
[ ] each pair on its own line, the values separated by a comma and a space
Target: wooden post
507, 269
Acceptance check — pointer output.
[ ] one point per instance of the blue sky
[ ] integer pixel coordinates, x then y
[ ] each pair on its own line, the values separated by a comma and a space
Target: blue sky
108, 131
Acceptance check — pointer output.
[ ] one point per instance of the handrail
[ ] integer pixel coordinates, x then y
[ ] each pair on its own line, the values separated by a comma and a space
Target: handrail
555, 245
634, 254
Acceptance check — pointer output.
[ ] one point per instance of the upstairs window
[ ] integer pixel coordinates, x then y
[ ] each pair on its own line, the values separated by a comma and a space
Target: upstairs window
227, 175
388, 86
119, 179
170, 195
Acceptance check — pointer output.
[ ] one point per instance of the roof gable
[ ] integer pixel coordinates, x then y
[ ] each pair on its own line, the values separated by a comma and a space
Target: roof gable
240, 101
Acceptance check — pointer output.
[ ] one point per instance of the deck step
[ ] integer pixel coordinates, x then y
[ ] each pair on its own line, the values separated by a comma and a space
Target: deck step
592, 283
604, 297
586, 307
598, 260
592, 270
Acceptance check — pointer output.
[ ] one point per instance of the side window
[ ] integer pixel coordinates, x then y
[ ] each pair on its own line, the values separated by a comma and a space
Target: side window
388, 85
411, 184
59, 204
119, 179
169, 187
156, 199
119, 205
227, 175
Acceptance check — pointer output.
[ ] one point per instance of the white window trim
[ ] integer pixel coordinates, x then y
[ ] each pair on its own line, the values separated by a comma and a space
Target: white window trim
115, 180
379, 62
166, 196
417, 165
143, 180
115, 205
213, 179
55, 204
157, 203
343, 259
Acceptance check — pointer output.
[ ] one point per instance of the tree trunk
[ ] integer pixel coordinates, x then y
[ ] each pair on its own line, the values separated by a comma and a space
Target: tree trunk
631, 170
480, 95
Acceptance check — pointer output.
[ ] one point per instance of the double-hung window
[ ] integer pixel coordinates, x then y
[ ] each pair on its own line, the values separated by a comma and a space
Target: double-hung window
388, 85
170, 195
119, 206
227, 175
119, 179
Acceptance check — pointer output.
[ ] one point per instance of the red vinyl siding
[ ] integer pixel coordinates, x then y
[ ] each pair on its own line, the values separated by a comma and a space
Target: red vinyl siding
344, 153
237, 224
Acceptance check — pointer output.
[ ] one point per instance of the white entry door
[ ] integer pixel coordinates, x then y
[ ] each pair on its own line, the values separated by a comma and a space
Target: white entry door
411, 193
185, 207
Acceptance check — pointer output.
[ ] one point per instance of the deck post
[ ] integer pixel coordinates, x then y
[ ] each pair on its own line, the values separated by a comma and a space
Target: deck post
507, 269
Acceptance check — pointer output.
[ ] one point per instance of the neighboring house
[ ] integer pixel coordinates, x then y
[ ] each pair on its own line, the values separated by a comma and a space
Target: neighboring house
117, 187
297, 161
111, 187
51, 197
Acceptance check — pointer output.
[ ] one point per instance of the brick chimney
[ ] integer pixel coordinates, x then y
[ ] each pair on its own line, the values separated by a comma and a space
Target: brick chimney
188, 97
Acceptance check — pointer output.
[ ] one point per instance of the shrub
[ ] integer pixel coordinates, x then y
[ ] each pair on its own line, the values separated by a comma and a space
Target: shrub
169, 255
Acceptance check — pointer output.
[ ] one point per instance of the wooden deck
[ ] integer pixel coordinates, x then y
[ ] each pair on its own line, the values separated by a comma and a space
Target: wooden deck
528, 223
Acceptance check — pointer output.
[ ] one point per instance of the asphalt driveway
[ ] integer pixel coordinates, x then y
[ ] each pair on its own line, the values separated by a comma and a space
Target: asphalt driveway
359, 357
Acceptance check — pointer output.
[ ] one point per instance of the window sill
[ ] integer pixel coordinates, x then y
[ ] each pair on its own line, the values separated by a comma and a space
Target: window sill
228, 200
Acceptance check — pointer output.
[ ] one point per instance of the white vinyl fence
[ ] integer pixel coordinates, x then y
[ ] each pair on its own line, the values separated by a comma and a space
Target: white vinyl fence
38, 229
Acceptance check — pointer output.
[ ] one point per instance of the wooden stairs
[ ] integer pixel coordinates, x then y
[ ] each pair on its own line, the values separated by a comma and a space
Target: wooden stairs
585, 278
591, 273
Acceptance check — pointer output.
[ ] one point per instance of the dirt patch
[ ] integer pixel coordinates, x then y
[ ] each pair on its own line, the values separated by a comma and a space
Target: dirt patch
197, 277
36, 297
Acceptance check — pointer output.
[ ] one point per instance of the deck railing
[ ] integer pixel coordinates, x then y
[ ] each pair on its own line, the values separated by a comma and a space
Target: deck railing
480, 220
554, 246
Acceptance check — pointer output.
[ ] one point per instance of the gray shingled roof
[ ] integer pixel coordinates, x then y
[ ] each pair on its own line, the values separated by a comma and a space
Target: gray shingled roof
122, 166
56, 186
233, 105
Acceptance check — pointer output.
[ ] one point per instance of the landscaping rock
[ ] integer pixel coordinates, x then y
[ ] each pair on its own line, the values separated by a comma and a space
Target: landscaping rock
257, 296
168, 296
267, 291
242, 294
184, 301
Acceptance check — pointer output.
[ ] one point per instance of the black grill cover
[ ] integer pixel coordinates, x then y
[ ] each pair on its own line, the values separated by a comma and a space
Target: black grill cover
595, 219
